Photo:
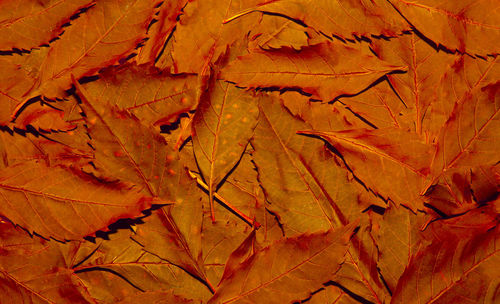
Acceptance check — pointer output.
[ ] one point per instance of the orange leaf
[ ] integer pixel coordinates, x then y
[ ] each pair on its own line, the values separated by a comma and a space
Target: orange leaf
64, 203
29, 24
458, 26
317, 69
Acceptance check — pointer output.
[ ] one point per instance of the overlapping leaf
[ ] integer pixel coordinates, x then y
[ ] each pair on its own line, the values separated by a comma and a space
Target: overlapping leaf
440, 271
63, 203
345, 19
400, 161
147, 144
152, 96
201, 38
141, 157
398, 239
274, 33
292, 169
161, 30
29, 24
95, 40
121, 261
318, 70
222, 128
461, 141
468, 26
41, 272
313, 259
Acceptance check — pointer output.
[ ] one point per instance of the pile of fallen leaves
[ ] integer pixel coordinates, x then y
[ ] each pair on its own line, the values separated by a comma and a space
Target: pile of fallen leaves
249, 151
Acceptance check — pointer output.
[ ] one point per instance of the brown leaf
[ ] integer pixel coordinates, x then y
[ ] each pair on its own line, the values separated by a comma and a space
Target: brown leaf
141, 157
201, 38
292, 70
42, 275
292, 170
275, 33
461, 138
442, 270
464, 27
302, 263
97, 41
159, 32
344, 19
221, 129
398, 161
118, 268
158, 98
398, 238
29, 24
63, 203
157, 297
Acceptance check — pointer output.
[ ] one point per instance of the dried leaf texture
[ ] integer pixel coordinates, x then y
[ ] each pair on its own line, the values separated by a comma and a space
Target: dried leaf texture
275, 33
42, 272
344, 19
143, 158
121, 261
29, 24
56, 202
15, 83
315, 258
292, 170
200, 38
249, 151
455, 263
469, 26
154, 97
392, 161
160, 31
318, 70
221, 130
463, 135
96, 40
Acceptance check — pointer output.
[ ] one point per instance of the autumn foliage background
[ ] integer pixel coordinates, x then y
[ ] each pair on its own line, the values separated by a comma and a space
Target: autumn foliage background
249, 151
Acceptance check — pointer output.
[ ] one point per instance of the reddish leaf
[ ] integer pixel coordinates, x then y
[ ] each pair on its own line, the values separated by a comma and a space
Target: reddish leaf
314, 258
345, 19
64, 203
289, 69
464, 27
42, 275
29, 24
97, 41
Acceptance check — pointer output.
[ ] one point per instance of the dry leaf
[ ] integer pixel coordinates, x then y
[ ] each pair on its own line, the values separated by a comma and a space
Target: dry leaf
250, 151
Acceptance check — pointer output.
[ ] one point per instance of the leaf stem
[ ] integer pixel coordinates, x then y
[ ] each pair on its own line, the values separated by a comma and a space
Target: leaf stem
245, 217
